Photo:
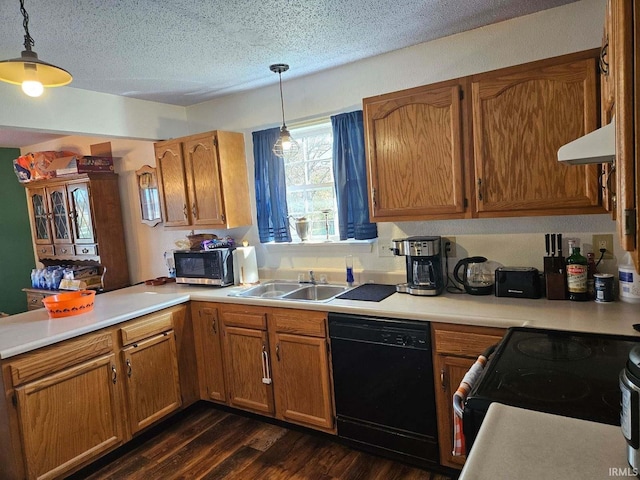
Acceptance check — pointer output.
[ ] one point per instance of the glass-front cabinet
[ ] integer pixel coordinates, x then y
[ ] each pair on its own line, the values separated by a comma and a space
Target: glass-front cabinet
80, 213
41, 227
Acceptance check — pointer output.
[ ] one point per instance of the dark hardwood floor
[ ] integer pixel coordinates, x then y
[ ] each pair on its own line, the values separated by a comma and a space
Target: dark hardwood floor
208, 443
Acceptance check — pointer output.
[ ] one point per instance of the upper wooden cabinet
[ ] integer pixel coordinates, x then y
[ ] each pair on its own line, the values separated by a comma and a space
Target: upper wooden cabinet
485, 145
414, 153
521, 116
202, 181
79, 217
624, 38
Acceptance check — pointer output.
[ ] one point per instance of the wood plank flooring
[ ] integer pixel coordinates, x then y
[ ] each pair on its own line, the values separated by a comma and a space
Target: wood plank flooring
207, 443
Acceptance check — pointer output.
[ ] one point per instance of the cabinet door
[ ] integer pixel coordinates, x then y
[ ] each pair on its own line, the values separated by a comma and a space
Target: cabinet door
59, 207
451, 371
203, 181
80, 213
414, 153
302, 380
207, 327
248, 367
153, 385
172, 184
521, 116
69, 417
624, 15
40, 224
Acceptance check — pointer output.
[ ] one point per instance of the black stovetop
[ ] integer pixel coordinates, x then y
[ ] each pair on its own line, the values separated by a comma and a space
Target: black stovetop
565, 373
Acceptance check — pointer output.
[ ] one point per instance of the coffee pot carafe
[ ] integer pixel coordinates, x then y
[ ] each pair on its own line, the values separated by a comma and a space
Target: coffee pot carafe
478, 275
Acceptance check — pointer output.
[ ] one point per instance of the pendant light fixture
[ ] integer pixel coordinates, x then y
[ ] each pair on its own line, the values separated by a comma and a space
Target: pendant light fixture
28, 70
285, 145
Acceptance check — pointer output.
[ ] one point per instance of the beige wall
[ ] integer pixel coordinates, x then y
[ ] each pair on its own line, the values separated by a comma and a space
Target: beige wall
516, 241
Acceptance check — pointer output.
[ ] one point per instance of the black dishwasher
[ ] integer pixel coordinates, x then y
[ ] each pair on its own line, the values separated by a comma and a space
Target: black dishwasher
383, 377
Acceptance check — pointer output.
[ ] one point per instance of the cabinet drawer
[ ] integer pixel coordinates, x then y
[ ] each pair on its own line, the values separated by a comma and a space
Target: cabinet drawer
147, 326
57, 357
90, 250
299, 322
34, 300
64, 249
465, 343
44, 251
247, 317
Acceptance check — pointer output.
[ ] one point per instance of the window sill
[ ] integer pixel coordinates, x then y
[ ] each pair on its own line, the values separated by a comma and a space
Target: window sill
361, 246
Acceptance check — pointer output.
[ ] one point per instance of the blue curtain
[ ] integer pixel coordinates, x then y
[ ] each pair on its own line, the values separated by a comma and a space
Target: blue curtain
271, 188
350, 174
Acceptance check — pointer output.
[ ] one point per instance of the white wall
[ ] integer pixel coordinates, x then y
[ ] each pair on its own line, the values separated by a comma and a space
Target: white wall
511, 241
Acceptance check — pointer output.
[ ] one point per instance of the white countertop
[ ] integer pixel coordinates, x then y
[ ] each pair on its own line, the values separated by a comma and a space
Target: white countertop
524, 444
34, 329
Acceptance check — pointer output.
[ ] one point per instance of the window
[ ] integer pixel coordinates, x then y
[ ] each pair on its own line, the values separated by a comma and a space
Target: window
309, 177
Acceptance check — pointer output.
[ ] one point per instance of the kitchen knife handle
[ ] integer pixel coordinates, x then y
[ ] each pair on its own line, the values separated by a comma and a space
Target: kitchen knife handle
553, 244
559, 244
546, 244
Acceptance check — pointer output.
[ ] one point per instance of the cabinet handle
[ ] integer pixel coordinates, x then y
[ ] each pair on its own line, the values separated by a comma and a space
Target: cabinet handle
214, 327
34, 301
224, 219
193, 210
480, 189
63, 250
266, 374
278, 351
129, 371
185, 211
373, 197
114, 374
43, 250
604, 64
442, 383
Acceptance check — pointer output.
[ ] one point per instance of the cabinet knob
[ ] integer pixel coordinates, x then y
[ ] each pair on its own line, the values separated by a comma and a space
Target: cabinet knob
129, 370
43, 250
63, 250
185, 211
114, 374
85, 250
193, 210
442, 383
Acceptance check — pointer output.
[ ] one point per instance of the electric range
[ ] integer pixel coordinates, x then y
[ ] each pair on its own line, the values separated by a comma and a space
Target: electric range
572, 374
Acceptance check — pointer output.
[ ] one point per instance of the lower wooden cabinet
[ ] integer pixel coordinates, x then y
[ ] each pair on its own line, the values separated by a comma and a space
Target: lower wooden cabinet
301, 373
67, 404
69, 417
152, 380
275, 360
208, 331
455, 349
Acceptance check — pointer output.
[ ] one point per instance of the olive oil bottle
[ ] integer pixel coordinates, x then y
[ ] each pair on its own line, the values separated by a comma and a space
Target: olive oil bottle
577, 269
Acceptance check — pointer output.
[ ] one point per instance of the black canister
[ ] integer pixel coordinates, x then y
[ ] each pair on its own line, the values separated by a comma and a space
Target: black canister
603, 287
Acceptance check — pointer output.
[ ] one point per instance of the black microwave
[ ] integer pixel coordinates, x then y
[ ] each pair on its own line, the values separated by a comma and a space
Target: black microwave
204, 267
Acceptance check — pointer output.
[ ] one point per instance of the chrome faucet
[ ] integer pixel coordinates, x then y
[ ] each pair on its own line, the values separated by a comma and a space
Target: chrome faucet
312, 279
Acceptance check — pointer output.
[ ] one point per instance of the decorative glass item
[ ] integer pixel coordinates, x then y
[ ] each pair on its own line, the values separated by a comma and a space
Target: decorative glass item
149, 196
326, 223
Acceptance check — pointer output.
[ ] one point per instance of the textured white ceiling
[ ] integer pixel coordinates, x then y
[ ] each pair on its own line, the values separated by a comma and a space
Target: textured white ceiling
185, 52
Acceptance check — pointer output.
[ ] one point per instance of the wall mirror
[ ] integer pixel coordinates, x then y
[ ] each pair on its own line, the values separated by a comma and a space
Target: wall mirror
149, 198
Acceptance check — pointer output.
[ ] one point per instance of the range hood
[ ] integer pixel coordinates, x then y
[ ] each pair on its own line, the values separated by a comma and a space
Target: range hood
598, 146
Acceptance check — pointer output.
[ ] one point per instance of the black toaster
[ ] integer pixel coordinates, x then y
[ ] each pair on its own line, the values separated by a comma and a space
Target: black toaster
521, 282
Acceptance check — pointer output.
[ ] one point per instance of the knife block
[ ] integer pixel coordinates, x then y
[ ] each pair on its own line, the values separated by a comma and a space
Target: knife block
555, 278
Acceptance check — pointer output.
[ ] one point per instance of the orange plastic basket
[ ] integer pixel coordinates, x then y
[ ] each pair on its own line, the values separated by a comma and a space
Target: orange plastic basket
67, 304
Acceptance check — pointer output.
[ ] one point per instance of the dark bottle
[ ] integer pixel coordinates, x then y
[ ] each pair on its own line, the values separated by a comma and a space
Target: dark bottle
577, 276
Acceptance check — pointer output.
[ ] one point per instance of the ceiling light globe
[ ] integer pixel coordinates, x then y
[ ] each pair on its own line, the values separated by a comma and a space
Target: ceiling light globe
33, 88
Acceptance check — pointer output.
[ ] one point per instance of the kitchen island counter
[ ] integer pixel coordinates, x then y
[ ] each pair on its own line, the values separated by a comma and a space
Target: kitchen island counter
34, 329
525, 444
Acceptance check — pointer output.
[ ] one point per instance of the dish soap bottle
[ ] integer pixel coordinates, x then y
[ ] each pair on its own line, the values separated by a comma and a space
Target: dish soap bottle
576, 266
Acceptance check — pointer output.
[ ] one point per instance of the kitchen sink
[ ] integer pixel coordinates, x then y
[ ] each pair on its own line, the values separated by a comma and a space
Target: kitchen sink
273, 289
282, 290
316, 293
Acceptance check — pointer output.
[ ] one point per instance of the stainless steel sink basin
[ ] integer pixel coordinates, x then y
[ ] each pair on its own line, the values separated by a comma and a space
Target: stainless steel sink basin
316, 293
282, 290
270, 290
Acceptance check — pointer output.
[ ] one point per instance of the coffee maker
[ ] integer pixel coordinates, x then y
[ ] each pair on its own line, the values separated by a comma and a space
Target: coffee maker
424, 265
